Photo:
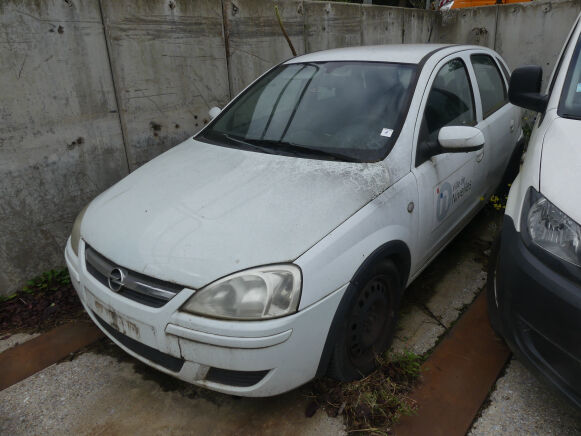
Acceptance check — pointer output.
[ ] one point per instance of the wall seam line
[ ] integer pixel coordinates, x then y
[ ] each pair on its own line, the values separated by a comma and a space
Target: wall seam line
115, 87
226, 32
496, 26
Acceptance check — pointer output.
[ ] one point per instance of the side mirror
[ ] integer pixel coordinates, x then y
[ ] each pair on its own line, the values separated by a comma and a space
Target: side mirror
524, 88
458, 139
214, 112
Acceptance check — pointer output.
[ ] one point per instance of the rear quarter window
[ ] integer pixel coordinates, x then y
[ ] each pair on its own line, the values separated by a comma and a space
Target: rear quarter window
493, 93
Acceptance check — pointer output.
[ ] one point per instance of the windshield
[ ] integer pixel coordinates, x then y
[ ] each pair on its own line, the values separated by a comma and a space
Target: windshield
331, 110
570, 104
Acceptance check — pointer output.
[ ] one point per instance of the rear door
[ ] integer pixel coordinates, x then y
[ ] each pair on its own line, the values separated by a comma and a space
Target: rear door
499, 121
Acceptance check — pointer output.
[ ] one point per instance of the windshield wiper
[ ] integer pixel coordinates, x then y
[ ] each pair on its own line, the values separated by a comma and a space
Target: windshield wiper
290, 147
250, 145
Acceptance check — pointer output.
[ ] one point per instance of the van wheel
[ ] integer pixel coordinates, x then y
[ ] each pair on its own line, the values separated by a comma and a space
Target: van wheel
369, 324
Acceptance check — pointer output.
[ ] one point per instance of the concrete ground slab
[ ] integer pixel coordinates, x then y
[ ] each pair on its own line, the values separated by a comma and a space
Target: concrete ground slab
16, 339
417, 332
95, 394
522, 404
22, 361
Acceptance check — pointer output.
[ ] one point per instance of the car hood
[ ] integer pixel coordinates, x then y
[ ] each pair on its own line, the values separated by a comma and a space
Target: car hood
200, 212
561, 166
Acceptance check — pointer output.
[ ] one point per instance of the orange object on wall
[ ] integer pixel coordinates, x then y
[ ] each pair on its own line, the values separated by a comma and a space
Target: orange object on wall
457, 4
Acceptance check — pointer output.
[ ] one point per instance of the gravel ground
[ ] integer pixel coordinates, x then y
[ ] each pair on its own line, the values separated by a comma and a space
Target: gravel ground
520, 404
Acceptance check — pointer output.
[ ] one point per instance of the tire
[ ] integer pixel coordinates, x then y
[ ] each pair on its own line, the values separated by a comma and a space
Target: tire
511, 171
369, 324
491, 287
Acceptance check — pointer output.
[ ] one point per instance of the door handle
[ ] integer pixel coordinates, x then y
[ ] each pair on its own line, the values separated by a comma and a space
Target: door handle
479, 155
512, 125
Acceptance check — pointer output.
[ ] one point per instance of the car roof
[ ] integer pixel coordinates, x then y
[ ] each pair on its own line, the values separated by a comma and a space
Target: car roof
400, 53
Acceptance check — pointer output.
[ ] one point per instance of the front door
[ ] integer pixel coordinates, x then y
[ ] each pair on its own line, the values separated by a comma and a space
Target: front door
450, 184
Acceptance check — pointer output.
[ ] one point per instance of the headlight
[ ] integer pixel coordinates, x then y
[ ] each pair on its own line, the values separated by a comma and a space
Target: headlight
258, 293
76, 232
549, 228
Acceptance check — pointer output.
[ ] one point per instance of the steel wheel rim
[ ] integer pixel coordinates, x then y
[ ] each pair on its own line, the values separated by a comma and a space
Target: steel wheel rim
369, 321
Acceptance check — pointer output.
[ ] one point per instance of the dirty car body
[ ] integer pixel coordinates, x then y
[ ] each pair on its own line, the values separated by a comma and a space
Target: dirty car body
274, 245
535, 293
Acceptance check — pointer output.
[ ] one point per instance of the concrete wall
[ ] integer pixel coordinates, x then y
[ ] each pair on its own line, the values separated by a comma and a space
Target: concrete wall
523, 33
169, 67
254, 40
92, 89
60, 136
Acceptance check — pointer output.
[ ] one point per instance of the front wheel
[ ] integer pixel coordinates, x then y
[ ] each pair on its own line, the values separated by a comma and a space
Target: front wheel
369, 324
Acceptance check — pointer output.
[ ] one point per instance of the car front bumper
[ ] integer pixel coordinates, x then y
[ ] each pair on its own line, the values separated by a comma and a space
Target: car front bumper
540, 314
246, 358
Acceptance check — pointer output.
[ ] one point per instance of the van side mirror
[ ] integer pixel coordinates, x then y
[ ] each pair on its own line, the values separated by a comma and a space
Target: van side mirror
214, 112
524, 88
459, 139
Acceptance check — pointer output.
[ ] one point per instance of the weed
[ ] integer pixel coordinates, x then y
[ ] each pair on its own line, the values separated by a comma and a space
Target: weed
528, 122
48, 281
51, 280
373, 404
497, 202
44, 302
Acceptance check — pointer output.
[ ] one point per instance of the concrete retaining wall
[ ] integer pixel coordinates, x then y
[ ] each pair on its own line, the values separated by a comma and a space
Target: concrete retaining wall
60, 137
92, 89
169, 67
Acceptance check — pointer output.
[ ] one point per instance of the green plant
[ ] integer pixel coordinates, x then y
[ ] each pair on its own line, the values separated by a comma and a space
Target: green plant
497, 202
48, 281
528, 122
374, 403
407, 362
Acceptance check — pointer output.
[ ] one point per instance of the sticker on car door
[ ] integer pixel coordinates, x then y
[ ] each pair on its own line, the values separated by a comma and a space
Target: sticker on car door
449, 194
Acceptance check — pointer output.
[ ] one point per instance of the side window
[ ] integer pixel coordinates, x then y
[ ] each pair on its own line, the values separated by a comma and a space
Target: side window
492, 88
450, 102
504, 70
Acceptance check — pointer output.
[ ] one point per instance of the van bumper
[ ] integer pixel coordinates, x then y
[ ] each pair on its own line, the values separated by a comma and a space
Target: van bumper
540, 314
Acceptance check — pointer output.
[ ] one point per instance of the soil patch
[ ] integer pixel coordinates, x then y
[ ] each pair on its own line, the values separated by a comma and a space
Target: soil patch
45, 302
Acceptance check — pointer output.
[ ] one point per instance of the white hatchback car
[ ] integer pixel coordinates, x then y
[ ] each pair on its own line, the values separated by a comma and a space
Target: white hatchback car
275, 244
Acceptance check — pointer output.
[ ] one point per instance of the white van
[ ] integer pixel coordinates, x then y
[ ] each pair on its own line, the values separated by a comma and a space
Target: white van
534, 291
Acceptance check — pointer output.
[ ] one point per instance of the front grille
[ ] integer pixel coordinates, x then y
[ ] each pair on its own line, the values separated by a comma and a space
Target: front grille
135, 286
167, 361
235, 378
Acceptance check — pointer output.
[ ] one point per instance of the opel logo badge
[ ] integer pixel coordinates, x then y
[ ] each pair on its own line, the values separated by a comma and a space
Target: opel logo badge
115, 280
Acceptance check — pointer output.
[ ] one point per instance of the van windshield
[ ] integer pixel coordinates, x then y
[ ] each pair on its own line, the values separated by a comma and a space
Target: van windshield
332, 110
570, 104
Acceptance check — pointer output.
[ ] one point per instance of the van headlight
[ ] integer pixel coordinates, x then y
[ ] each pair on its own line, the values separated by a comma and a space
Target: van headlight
258, 293
76, 232
551, 229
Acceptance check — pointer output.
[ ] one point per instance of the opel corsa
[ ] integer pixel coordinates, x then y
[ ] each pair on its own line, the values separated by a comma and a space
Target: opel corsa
275, 244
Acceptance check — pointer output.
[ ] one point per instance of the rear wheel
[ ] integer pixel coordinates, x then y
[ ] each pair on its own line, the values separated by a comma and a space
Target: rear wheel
369, 324
511, 171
